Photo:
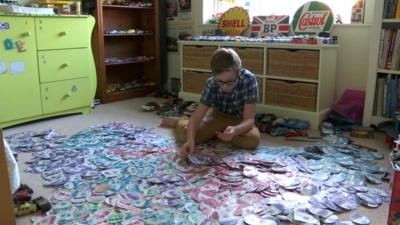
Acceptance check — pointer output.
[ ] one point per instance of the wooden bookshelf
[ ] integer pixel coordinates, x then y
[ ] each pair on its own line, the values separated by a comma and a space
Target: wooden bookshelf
127, 45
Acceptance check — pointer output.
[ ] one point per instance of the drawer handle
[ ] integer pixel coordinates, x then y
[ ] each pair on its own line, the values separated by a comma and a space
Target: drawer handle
65, 65
63, 33
26, 34
69, 94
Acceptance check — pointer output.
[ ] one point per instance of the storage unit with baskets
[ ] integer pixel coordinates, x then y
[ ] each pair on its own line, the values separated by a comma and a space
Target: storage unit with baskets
296, 81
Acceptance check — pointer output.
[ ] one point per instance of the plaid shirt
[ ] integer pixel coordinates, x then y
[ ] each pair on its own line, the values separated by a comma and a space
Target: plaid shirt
245, 92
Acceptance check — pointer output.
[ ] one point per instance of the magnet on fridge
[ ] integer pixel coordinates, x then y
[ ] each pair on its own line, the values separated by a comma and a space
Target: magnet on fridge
20, 46
4, 26
3, 67
8, 44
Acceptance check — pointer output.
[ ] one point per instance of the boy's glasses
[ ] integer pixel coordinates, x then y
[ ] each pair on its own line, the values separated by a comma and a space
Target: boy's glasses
228, 83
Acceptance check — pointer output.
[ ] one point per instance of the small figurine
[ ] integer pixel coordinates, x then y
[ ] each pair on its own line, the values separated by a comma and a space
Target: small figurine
362, 132
20, 46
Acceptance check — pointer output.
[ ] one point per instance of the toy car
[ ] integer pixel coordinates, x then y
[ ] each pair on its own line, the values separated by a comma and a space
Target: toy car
362, 132
25, 209
42, 204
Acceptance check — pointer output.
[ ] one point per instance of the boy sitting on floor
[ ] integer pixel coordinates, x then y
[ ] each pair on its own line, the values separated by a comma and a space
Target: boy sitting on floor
227, 106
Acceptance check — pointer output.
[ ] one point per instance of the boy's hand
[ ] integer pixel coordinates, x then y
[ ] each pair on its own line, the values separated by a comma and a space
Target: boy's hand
228, 134
187, 148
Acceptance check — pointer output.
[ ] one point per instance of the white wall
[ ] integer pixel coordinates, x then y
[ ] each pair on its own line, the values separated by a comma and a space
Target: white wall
353, 56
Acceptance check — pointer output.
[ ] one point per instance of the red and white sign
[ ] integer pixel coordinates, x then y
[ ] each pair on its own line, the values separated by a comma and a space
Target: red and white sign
312, 18
266, 25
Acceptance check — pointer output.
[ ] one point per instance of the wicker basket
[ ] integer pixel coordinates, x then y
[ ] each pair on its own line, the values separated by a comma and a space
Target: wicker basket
260, 82
296, 95
252, 58
293, 63
194, 82
197, 56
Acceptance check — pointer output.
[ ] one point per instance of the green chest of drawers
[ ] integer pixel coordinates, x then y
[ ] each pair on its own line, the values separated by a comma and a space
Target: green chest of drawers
46, 67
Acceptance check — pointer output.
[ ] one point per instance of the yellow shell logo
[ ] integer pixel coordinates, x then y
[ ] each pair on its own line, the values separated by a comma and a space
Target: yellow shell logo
234, 21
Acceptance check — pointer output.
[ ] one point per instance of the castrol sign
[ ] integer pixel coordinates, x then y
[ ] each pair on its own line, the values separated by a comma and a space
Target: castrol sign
312, 18
234, 21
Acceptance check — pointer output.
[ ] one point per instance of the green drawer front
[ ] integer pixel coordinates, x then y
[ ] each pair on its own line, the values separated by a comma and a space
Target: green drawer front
58, 33
19, 80
55, 65
65, 95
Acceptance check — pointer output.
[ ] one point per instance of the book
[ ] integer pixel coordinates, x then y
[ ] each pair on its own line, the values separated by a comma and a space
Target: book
379, 96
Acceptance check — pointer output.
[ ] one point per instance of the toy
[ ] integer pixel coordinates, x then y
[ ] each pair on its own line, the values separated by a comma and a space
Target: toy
362, 132
42, 204
8, 44
62, 6
295, 133
20, 46
25, 209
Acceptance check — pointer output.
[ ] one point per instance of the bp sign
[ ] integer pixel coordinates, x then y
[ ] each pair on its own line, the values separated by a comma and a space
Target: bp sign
311, 18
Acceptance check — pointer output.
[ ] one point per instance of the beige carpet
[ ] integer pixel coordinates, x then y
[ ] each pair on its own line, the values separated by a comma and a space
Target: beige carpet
129, 111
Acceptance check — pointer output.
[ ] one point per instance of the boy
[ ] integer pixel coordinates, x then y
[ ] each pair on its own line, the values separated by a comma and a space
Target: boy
227, 106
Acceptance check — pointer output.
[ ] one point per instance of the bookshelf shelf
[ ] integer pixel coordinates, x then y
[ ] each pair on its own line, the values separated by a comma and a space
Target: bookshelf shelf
397, 72
391, 21
383, 85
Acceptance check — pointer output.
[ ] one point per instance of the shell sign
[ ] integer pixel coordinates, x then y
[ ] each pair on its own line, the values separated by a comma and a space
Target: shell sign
234, 21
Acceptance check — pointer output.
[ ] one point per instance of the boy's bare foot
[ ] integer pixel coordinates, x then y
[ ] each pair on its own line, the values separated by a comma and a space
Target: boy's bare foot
169, 122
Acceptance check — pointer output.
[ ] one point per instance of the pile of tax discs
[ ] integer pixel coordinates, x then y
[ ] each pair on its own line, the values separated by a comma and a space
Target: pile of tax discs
124, 174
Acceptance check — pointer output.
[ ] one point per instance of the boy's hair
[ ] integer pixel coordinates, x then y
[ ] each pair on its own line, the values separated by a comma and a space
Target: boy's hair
225, 59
